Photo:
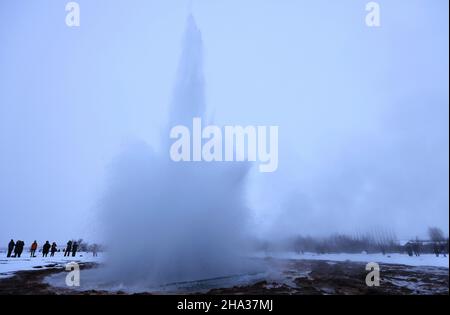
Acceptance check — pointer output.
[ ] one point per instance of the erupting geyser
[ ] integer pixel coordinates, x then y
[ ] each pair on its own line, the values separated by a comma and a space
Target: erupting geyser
166, 221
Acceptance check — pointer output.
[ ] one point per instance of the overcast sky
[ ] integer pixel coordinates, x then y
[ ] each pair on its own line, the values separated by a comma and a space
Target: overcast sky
362, 112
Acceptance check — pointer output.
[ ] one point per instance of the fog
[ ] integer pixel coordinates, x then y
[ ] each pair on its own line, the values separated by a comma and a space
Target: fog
85, 116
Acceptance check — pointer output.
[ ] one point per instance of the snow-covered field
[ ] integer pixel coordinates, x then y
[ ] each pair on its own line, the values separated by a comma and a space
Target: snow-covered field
8, 266
401, 259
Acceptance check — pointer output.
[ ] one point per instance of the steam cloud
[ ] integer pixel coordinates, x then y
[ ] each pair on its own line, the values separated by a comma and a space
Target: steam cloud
167, 221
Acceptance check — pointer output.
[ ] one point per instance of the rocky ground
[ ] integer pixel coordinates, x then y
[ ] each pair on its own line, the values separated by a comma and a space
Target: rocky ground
32, 281
347, 278
291, 277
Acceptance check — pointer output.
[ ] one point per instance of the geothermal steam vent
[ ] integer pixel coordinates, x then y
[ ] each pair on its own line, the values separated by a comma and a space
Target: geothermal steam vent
168, 222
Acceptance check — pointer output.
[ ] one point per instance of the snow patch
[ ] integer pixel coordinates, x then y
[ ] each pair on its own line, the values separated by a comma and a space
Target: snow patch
8, 266
397, 259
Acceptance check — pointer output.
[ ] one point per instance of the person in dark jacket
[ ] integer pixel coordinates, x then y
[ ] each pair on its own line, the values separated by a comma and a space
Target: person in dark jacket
74, 249
16, 248
68, 249
45, 249
442, 248
11, 245
22, 245
436, 249
95, 250
416, 248
19, 248
409, 249
53, 249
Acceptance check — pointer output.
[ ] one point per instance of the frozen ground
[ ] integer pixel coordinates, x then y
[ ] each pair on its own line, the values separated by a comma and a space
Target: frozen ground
291, 273
397, 259
277, 273
8, 266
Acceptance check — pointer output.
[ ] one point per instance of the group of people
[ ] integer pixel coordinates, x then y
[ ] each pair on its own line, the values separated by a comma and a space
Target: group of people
17, 249
71, 247
413, 248
439, 248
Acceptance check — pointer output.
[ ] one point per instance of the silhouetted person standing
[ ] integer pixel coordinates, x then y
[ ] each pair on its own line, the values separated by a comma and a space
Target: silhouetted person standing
68, 249
45, 249
33, 249
22, 245
416, 248
94, 250
442, 249
11, 245
409, 249
436, 249
74, 249
19, 248
53, 249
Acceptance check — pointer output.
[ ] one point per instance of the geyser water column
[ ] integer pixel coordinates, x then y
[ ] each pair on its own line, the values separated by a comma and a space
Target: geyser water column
188, 98
167, 221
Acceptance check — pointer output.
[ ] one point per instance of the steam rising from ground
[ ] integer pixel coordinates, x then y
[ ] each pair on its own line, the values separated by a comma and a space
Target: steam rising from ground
168, 221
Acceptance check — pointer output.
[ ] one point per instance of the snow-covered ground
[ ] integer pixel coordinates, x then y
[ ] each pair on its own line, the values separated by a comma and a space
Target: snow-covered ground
402, 259
10, 265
